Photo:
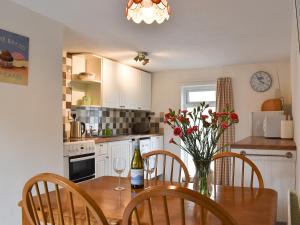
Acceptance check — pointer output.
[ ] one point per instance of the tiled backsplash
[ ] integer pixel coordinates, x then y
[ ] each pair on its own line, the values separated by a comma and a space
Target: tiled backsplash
120, 121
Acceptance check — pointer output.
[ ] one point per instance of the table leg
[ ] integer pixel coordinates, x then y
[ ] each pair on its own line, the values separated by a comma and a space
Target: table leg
24, 218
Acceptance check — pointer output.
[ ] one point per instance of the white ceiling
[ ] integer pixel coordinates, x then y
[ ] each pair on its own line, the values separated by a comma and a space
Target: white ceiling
200, 33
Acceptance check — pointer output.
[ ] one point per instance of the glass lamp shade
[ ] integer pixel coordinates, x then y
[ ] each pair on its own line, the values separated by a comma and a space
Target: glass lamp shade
148, 11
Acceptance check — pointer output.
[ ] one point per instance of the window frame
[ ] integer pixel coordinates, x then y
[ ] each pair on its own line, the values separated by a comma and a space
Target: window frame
187, 89
186, 104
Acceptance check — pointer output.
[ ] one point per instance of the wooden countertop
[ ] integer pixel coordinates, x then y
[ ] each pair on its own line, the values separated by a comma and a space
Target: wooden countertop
113, 138
265, 143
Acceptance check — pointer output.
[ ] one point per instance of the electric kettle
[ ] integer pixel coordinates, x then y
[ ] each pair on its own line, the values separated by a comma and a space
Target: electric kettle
77, 128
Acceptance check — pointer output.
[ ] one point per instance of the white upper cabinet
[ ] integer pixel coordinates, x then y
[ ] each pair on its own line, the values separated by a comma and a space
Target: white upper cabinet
128, 79
115, 85
110, 86
125, 87
145, 91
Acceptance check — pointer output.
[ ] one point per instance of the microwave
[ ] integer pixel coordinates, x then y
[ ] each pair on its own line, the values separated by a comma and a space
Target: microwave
266, 124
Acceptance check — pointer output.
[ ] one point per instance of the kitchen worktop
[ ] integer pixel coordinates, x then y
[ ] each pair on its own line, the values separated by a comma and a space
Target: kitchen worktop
265, 144
114, 138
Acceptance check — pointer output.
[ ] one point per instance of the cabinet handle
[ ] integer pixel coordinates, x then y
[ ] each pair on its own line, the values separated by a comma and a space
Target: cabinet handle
288, 155
106, 157
122, 106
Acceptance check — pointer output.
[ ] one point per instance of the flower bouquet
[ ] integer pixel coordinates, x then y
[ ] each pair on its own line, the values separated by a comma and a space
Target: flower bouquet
199, 133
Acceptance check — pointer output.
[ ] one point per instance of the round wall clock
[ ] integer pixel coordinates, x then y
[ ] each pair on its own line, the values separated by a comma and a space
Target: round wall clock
261, 81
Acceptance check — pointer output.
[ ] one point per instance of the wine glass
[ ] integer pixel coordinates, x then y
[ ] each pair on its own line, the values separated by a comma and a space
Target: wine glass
119, 166
149, 167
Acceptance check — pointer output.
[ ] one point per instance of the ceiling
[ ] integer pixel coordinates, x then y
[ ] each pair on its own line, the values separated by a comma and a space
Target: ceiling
200, 33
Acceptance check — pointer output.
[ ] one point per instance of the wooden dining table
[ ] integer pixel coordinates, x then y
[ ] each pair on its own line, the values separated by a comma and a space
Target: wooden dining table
247, 206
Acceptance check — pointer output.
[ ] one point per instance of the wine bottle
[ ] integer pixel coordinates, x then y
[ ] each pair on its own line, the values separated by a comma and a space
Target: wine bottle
137, 169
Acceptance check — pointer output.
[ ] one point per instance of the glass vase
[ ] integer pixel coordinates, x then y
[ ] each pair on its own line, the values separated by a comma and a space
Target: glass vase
203, 177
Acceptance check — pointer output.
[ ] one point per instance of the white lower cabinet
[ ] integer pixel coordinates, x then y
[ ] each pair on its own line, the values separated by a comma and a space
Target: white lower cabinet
157, 143
102, 166
278, 169
102, 161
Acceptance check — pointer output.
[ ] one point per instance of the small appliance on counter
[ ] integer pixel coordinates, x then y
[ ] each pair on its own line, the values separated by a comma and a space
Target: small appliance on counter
267, 124
77, 128
287, 128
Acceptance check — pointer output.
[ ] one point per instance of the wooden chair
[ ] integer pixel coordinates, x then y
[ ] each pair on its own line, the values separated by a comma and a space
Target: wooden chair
66, 204
174, 205
244, 160
174, 160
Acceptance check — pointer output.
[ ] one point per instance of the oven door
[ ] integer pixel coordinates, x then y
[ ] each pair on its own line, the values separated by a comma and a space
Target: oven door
82, 167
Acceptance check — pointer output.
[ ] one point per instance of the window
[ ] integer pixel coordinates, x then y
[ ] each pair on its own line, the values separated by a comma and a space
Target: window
191, 97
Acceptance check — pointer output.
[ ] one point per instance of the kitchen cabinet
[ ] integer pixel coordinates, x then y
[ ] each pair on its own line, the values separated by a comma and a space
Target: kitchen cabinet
278, 169
125, 87
110, 84
86, 87
144, 101
120, 149
128, 79
102, 166
157, 143
102, 161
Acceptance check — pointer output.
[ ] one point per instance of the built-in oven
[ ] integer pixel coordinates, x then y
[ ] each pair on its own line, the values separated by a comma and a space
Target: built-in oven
79, 160
82, 167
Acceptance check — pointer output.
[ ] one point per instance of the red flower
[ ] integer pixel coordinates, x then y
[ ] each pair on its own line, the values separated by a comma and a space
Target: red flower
171, 141
184, 111
167, 115
204, 117
189, 131
224, 114
234, 117
177, 131
187, 120
224, 125
180, 119
195, 128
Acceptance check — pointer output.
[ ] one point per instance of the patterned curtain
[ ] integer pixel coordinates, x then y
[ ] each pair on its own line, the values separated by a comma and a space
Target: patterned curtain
224, 98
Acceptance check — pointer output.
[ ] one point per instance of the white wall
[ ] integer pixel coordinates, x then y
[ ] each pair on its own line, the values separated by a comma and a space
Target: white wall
166, 90
30, 116
295, 79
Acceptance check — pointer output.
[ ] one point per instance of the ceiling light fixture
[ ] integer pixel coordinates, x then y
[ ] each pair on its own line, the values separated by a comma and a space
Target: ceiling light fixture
141, 57
148, 11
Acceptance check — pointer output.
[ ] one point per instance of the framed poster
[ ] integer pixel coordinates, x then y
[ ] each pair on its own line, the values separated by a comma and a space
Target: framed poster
14, 56
297, 5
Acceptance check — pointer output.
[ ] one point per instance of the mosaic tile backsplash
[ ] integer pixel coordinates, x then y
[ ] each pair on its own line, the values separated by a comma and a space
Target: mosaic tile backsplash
120, 121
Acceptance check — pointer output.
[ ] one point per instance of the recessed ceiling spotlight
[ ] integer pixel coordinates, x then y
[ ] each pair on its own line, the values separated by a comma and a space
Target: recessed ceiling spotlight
141, 57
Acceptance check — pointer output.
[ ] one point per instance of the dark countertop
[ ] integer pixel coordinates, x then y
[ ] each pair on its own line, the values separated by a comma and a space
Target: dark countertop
113, 138
265, 144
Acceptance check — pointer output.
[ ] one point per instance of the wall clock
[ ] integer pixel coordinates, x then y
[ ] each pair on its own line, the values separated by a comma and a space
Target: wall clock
261, 81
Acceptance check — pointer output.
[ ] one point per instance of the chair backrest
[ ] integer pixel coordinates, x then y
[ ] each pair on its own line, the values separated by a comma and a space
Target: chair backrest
174, 205
166, 156
221, 157
52, 199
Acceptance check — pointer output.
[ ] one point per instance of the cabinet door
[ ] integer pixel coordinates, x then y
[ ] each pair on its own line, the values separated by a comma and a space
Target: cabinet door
120, 149
102, 166
279, 173
128, 79
157, 143
145, 91
110, 87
